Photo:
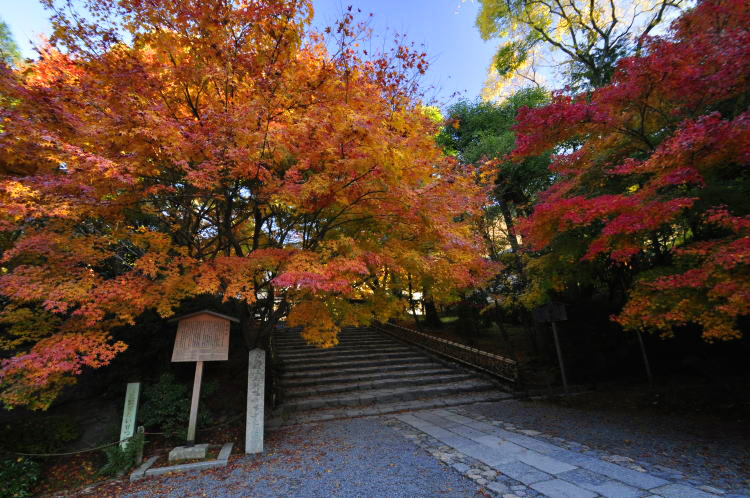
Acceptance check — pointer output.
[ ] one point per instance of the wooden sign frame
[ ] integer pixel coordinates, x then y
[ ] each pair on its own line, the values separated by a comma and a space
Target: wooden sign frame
550, 312
201, 336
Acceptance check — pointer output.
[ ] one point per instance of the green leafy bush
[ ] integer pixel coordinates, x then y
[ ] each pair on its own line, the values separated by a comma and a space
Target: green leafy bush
17, 476
120, 460
48, 434
166, 406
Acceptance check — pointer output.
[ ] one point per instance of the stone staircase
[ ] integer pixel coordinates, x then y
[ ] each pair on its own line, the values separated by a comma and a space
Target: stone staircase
368, 373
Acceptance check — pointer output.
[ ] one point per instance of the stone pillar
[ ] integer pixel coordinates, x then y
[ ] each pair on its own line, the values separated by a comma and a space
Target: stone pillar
127, 430
256, 387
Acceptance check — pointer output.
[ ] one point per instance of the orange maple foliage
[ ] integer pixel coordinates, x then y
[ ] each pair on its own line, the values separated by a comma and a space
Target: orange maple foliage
165, 149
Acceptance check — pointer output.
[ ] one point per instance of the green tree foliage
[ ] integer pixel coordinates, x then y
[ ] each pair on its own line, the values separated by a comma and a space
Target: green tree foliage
482, 133
17, 476
584, 38
50, 434
9, 53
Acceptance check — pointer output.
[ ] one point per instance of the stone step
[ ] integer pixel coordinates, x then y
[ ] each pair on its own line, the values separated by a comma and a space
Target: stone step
351, 348
343, 332
345, 358
345, 348
362, 386
321, 374
387, 395
342, 341
336, 351
282, 418
378, 375
368, 373
351, 342
368, 335
356, 364
297, 333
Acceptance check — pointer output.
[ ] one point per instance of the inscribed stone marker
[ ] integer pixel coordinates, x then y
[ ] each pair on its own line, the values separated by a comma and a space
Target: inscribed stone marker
129, 412
256, 387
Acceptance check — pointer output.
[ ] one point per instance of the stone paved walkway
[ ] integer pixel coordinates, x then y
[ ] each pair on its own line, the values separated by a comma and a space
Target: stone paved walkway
522, 463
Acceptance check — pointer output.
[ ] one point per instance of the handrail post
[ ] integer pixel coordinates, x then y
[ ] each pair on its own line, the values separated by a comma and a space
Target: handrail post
560, 358
494, 364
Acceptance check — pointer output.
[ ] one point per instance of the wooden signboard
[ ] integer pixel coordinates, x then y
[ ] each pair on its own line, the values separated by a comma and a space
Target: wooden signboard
201, 336
550, 312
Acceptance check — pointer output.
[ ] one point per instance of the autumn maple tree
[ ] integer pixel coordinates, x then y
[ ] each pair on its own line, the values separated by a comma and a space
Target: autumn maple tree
654, 179
162, 150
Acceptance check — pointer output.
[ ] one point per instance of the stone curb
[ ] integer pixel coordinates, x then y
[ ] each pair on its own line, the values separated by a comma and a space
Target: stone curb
145, 470
301, 418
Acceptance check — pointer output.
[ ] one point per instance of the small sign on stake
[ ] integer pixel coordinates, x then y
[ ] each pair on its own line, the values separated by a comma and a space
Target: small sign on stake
550, 312
201, 336
553, 313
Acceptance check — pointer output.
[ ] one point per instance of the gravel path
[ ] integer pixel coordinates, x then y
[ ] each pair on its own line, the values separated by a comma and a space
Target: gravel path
707, 451
376, 456
347, 458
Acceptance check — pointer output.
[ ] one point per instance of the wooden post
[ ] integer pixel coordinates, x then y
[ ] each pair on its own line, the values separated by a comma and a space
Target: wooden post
645, 359
201, 336
139, 455
194, 403
560, 358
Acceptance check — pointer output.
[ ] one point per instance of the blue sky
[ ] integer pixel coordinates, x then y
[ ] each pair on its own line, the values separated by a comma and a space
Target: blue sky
459, 58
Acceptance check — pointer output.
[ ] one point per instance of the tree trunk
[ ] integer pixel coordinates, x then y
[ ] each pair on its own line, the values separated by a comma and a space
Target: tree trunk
513, 241
501, 326
411, 305
431, 317
252, 333
526, 320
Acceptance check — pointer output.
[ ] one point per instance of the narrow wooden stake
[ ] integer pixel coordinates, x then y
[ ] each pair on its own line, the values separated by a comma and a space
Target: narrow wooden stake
560, 358
194, 403
139, 455
645, 359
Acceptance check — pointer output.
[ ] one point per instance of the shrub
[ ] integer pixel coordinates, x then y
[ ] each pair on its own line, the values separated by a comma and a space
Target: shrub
166, 405
17, 476
120, 460
41, 435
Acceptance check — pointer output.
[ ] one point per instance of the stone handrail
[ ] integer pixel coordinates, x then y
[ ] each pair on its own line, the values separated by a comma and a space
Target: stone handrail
491, 363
